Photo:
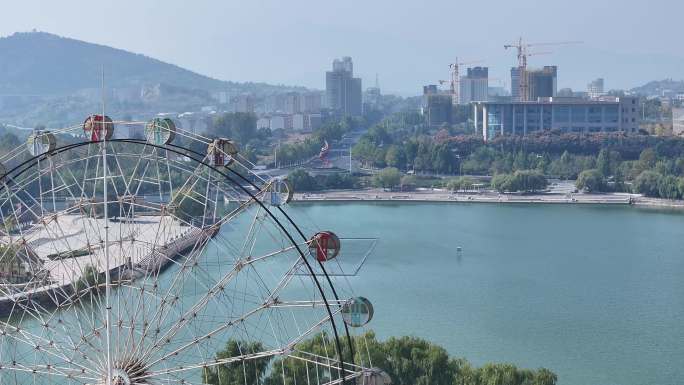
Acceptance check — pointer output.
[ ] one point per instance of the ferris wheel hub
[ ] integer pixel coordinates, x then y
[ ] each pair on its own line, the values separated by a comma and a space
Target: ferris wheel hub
120, 377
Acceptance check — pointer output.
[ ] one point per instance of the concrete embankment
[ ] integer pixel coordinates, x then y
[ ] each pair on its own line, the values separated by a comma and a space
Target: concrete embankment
437, 196
442, 196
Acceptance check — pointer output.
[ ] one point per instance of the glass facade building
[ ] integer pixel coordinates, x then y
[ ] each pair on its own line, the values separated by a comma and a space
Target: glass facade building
564, 114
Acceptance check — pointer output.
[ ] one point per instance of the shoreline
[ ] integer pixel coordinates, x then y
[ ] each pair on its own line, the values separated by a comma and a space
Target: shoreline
441, 196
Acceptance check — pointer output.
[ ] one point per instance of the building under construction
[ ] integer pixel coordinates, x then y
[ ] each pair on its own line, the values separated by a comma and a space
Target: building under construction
436, 106
541, 83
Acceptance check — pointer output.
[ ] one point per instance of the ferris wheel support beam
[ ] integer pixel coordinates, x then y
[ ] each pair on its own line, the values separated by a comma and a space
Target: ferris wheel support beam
108, 278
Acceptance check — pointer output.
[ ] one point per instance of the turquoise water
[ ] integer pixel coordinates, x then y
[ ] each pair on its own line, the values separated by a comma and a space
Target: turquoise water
594, 293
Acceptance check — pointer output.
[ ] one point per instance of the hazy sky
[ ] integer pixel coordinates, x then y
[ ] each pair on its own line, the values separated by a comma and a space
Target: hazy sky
408, 43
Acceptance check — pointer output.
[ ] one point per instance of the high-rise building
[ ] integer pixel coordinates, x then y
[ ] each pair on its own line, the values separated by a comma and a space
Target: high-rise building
678, 121
372, 96
595, 88
292, 103
242, 103
474, 86
436, 106
515, 84
342, 90
311, 102
541, 83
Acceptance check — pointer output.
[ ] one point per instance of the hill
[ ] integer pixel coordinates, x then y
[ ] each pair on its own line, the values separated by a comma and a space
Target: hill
52, 80
40, 63
658, 87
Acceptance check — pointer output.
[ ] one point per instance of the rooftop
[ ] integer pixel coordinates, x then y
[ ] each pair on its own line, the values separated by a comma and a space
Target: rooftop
564, 100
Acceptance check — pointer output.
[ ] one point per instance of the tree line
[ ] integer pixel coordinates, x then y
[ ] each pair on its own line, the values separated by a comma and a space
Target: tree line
406, 360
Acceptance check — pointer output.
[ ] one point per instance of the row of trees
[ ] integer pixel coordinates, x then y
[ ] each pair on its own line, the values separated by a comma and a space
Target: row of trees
619, 157
461, 184
602, 162
302, 181
419, 155
523, 180
654, 184
407, 361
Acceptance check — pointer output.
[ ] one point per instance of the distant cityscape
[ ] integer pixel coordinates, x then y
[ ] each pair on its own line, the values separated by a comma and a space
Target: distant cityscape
466, 99
534, 102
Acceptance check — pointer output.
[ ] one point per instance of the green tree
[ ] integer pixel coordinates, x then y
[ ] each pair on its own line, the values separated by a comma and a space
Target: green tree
10, 224
501, 182
647, 183
591, 181
302, 181
520, 161
521, 180
647, 158
407, 361
89, 281
414, 361
241, 372
460, 184
239, 126
442, 159
543, 163
603, 163
565, 167
408, 182
680, 186
668, 187
545, 377
395, 157
388, 177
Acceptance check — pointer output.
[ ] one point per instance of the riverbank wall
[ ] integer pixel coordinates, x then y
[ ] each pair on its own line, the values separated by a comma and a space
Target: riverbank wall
440, 196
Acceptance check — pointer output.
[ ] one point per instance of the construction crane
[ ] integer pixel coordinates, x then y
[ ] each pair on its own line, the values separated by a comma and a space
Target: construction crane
523, 54
456, 79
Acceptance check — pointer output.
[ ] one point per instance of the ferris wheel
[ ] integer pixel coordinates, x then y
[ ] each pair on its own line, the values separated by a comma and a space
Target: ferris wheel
145, 261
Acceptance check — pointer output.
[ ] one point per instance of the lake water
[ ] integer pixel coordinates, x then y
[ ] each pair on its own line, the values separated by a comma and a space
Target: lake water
593, 293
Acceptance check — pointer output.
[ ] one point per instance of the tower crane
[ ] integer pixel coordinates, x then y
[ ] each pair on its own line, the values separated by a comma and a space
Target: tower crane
523, 54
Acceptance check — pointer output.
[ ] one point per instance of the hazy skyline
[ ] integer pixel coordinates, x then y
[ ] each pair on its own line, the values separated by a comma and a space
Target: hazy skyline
408, 44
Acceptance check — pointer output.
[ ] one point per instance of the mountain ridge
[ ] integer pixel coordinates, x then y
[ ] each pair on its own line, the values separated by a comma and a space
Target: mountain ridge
45, 64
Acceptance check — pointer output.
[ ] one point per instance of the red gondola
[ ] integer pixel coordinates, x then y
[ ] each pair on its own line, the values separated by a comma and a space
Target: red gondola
222, 152
324, 246
94, 127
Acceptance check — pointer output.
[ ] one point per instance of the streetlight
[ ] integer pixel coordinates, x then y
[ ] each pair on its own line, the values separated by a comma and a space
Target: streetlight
460, 165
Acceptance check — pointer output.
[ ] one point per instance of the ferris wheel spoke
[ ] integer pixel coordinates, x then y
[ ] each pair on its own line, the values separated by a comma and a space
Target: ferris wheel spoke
211, 293
164, 341
166, 302
325, 362
47, 370
134, 171
215, 362
306, 304
33, 342
237, 321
